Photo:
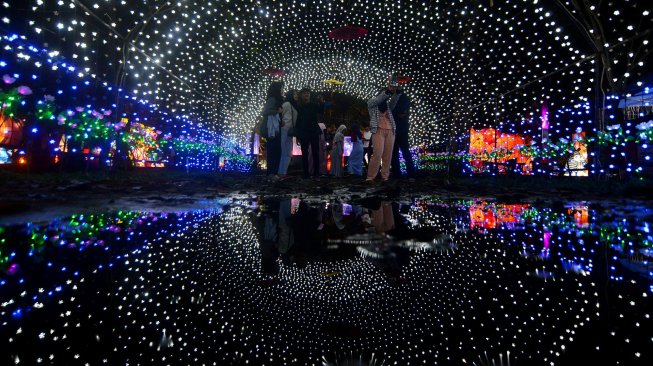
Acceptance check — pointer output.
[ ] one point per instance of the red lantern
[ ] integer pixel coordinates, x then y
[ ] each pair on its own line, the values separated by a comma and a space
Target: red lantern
403, 79
273, 72
348, 33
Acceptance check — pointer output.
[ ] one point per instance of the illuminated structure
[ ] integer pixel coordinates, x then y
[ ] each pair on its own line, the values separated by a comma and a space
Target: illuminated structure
193, 69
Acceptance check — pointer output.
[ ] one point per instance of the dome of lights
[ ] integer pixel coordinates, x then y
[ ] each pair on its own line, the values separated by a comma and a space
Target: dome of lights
200, 65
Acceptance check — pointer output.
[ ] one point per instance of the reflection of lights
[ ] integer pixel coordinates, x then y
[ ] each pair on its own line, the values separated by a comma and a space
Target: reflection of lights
193, 286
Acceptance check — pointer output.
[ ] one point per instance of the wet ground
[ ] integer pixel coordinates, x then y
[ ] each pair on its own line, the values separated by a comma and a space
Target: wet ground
337, 279
37, 197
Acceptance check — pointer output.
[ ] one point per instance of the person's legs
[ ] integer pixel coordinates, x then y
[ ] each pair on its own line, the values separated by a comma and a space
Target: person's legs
286, 148
304, 142
404, 146
276, 156
396, 165
388, 142
375, 162
286, 151
336, 162
315, 150
269, 152
354, 159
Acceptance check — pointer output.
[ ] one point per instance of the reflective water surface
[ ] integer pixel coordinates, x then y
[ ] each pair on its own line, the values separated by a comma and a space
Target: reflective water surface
294, 282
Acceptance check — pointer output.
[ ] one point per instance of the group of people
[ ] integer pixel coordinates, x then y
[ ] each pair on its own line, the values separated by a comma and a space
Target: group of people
296, 114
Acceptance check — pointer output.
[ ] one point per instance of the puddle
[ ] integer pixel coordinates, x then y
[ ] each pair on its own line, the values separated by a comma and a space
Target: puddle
366, 282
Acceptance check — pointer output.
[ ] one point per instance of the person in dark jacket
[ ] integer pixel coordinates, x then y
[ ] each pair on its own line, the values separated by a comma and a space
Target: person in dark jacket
308, 131
400, 112
271, 112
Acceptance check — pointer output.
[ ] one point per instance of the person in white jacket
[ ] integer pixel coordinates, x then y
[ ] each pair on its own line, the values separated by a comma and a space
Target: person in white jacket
288, 119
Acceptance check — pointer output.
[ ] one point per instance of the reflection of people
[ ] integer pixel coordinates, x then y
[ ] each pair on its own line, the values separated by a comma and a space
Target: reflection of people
268, 247
286, 236
383, 219
336, 214
393, 258
400, 111
382, 125
305, 227
337, 151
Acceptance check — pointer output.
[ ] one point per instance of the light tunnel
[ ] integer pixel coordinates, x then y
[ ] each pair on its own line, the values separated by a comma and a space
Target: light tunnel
192, 72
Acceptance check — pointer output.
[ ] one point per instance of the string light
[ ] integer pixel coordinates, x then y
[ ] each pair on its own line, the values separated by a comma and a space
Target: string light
470, 65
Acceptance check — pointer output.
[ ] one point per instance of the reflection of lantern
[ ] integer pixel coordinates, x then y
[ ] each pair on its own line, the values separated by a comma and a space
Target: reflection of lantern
22, 160
490, 216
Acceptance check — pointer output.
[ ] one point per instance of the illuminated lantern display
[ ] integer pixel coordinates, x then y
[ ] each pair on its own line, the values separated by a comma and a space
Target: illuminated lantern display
11, 131
145, 150
490, 146
578, 161
11, 136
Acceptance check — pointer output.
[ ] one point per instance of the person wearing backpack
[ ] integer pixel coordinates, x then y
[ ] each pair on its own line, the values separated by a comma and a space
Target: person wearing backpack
272, 126
289, 120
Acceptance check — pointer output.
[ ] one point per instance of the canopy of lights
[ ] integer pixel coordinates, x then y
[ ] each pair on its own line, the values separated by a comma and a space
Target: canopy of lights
151, 76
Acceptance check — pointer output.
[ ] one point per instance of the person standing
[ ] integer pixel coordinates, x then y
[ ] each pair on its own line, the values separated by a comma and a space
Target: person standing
271, 112
308, 131
323, 150
356, 157
289, 120
400, 104
383, 127
367, 148
337, 151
